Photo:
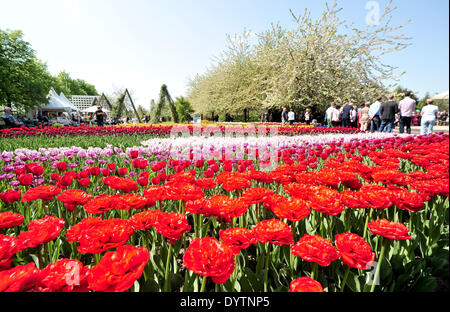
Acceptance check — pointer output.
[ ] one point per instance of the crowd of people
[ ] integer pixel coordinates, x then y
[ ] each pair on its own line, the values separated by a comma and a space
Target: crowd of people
378, 116
369, 117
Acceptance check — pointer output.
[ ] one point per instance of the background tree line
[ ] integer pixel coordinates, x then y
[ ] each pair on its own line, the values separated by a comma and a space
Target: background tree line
25, 80
313, 64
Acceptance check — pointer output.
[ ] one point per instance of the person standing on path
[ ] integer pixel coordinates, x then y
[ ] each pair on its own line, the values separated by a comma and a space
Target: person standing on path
346, 115
429, 115
354, 117
100, 116
291, 117
336, 117
407, 107
329, 114
308, 116
374, 115
387, 113
365, 119
284, 117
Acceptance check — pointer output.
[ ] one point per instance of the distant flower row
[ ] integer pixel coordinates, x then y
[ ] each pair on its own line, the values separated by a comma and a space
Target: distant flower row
166, 130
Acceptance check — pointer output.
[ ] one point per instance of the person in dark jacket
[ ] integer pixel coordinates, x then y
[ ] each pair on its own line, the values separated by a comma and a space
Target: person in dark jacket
346, 115
284, 117
387, 114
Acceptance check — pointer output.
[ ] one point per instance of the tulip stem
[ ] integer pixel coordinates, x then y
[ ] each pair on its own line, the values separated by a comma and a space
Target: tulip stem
44, 206
74, 216
97, 258
196, 225
166, 275
347, 272
314, 270
39, 254
266, 272
47, 254
380, 261
369, 216
203, 284
348, 223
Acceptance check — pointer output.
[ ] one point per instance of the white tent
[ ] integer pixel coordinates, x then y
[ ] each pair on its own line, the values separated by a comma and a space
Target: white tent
56, 104
63, 98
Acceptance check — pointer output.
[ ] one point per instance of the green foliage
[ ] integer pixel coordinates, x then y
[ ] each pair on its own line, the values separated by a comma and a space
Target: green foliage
314, 63
423, 101
184, 108
399, 94
119, 107
142, 112
443, 104
165, 100
64, 83
25, 80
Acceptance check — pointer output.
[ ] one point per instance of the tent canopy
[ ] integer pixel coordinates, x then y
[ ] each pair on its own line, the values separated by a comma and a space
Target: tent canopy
66, 100
58, 104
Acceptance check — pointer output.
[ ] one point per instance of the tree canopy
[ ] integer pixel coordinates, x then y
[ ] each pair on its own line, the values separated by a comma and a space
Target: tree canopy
184, 108
313, 64
64, 83
24, 80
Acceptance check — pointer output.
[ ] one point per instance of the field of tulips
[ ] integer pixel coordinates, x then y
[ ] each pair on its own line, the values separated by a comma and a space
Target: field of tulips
165, 130
321, 213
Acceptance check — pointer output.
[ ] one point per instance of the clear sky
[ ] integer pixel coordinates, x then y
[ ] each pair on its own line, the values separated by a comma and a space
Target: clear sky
141, 44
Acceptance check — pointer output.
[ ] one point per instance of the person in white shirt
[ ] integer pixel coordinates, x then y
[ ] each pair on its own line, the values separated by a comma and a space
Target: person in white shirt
308, 116
336, 117
329, 114
429, 115
354, 117
291, 117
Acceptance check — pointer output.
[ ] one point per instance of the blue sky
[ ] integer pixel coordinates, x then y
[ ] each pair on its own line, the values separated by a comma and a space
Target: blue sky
141, 44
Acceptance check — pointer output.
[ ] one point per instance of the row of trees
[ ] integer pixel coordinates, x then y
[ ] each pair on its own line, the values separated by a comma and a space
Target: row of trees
315, 63
25, 80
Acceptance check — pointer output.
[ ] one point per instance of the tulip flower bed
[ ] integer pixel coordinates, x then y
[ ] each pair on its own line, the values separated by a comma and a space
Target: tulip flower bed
163, 130
129, 136
354, 213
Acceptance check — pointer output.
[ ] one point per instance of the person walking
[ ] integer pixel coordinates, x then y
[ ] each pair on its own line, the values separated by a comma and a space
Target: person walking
346, 115
291, 117
284, 117
387, 113
374, 115
406, 107
365, 119
429, 115
100, 116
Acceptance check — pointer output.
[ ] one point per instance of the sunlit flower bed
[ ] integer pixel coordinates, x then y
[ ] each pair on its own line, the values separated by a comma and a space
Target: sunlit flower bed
355, 213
